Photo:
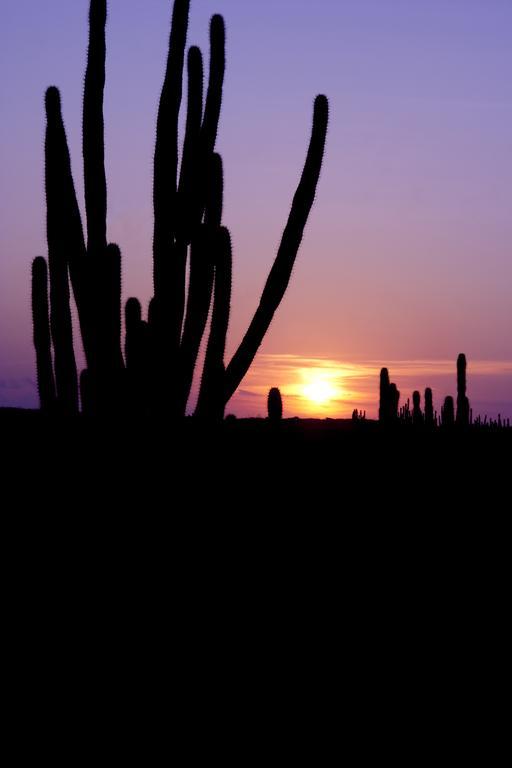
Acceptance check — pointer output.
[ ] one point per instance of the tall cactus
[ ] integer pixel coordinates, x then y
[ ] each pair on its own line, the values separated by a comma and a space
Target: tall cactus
212, 400
179, 209
95, 268
42, 337
93, 146
188, 203
462, 400
168, 264
66, 377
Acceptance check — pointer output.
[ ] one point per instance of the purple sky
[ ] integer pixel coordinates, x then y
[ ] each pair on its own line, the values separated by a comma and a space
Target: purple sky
408, 253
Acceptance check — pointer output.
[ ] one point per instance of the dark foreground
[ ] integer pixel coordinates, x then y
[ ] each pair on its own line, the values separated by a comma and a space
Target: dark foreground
316, 581
306, 466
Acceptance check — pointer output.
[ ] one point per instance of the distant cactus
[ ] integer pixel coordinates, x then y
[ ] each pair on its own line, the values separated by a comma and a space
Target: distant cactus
394, 400
463, 408
384, 395
430, 419
447, 412
274, 405
389, 399
417, 415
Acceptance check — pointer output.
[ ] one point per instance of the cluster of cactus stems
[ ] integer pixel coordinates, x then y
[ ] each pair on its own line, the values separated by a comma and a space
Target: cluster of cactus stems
389, 411
160, 354
450, 416
389, 399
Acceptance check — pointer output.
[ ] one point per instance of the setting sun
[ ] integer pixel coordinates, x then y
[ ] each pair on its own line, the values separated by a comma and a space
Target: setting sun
319, 391
320, 387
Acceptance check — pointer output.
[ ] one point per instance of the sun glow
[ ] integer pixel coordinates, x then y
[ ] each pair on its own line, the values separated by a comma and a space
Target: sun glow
320, 387
319, 392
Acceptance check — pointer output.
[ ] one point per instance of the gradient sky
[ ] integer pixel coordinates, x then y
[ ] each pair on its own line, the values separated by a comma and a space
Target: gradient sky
407, 258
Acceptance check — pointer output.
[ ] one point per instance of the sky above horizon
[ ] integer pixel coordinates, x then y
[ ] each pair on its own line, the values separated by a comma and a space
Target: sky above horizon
406, 259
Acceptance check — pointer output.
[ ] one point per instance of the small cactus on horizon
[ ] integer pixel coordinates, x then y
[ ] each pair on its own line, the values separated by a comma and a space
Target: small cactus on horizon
430, 417
417, 415
389, 399
448, 412
274, 405
463, 409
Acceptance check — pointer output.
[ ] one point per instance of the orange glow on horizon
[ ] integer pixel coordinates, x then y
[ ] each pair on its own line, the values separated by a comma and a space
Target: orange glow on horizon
314, 387
318, 388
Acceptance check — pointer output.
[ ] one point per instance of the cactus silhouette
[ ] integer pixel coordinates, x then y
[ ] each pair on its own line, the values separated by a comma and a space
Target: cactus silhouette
429, 408
95, 268
417, 415
394, 397
274, 405
462, 401
160, 354
211, 400
280, 273
448, 412
42, 336
389, 399
384, 396
137, 358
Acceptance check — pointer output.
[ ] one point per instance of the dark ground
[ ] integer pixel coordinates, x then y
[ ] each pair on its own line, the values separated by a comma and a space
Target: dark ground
319, 578
302, 467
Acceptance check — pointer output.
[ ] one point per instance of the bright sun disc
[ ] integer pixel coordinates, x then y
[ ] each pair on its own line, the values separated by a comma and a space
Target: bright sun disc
319, 391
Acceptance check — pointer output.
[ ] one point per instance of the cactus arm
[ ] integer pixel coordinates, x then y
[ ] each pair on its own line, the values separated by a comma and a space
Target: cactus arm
166, 153
93, 147
211, 401
112, 306
187, 192
133, 319
280, 273
215, 84
66, 377
42, 338
198, 305
64, 223
136, 356
214, 193
64, 234
212, 109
